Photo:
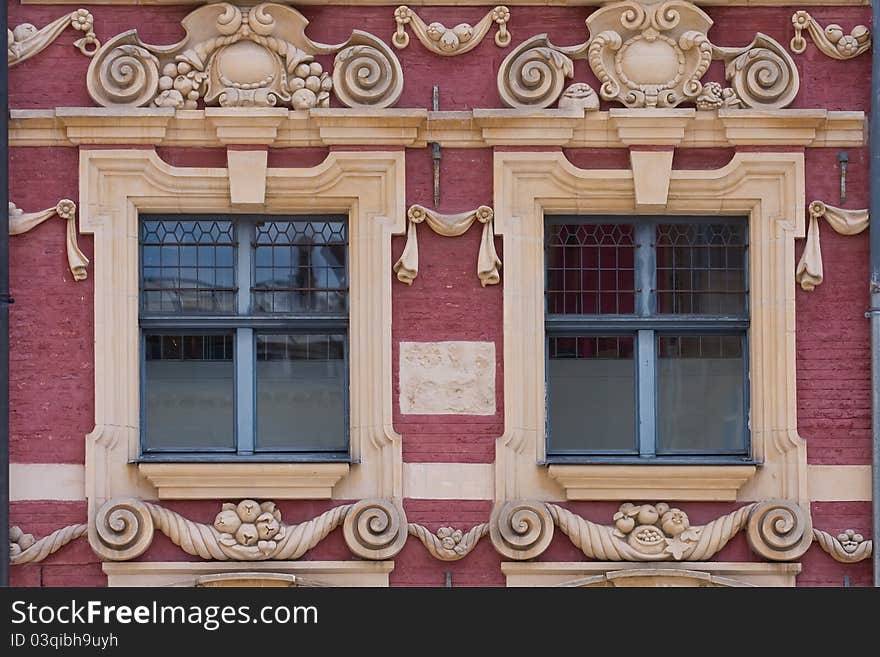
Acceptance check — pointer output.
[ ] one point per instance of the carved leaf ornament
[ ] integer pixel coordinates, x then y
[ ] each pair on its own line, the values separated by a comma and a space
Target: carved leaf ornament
243, 57
650, 53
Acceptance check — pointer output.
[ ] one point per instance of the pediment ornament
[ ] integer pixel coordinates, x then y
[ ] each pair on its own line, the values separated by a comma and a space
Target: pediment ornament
650, 53
244, 57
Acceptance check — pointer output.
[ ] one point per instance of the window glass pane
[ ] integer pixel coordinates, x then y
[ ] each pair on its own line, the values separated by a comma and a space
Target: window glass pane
189, 395
590, 269
187, 266
301, 387
700, 390
300, 267
592, 394
701, 268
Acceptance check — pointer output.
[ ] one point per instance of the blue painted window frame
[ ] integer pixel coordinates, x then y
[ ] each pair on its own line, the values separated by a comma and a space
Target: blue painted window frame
243, 325
645, 326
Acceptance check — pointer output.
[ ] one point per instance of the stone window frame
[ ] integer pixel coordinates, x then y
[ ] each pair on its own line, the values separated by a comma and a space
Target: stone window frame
118, 184
769, 189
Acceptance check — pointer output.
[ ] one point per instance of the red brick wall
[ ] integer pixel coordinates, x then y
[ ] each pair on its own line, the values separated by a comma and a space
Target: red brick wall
52, 408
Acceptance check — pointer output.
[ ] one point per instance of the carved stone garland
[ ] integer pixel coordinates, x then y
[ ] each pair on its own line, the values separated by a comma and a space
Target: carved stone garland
649, 53
809, 271
448, 42
25, 40
450, 225
24, 548
831, 40
244, 56
21, 222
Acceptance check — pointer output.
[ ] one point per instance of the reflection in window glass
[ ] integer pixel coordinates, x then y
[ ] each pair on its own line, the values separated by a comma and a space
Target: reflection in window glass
592, 394
189, 393
301, 386
700, 405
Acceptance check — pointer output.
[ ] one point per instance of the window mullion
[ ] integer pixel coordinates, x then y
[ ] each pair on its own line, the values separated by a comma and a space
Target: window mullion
646, 264
244, 344
647, 377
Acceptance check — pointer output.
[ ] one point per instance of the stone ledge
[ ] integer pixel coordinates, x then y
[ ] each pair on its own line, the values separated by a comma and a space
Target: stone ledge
713, 483
192, 573
286, 481
415, 128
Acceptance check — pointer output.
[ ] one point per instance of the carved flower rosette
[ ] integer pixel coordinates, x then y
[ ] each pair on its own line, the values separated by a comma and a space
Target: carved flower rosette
242, 57
650, 55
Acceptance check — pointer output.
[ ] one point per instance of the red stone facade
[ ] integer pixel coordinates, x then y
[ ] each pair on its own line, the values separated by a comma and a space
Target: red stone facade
52, 321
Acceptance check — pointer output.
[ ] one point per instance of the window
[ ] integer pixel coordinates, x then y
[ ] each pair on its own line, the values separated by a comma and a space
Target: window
244, 324
646, 325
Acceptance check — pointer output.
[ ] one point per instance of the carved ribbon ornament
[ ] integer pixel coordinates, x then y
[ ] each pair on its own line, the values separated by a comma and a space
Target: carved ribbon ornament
810, 272
24, 41
457, 40
21, 222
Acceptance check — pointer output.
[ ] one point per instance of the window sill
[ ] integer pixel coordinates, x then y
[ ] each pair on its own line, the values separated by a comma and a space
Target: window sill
286, 481
711, 483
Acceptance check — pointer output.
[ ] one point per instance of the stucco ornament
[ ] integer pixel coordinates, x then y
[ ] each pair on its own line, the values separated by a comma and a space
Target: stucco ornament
21, 222
24, 548
777, 530
25, 40
247, 531
244, 57
831, 40
449, 41
450, 225
809, 272
847, 547
449, 544
651, 53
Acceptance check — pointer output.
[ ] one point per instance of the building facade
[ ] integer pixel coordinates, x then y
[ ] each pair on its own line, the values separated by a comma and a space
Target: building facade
440, 295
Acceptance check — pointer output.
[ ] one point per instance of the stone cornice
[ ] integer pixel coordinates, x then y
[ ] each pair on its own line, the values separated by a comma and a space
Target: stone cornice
282, 128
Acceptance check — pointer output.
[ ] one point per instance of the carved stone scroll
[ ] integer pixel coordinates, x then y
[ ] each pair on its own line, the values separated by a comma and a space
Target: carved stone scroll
24, 548
25, 40
847, 547
450, 225
777, 530
449, 544
21, 222
450, 41
809, 271
242, 57
247, 531
651, 53
831, 40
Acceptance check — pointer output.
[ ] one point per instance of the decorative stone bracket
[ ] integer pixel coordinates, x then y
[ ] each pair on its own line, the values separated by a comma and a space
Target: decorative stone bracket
830, 40
649, 53
448, 42
21, 222
244, 57
25, 40
377, 529
450, 225
809, 271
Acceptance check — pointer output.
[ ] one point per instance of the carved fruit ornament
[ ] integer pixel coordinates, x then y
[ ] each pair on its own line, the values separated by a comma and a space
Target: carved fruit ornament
243, 57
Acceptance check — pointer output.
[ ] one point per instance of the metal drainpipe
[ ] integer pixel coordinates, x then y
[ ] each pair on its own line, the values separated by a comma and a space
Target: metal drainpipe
875, 292
4, 321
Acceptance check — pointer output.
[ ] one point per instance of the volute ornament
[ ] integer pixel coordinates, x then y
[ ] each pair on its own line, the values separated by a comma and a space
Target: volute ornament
242, 57
647, 54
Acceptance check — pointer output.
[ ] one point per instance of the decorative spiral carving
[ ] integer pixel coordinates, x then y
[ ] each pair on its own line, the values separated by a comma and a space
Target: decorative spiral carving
375, 529
367, 76
534, 74
123, 74
521, 530
123, 529
764, 76
779, 530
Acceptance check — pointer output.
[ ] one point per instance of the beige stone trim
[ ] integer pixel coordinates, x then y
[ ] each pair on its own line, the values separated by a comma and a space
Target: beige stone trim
46, 481
767, 187
115, 185
616, 128
839, 483
309, 573
651, 171
604, 573
448, 481
718, 483
236, 480
247, 176
512, 3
